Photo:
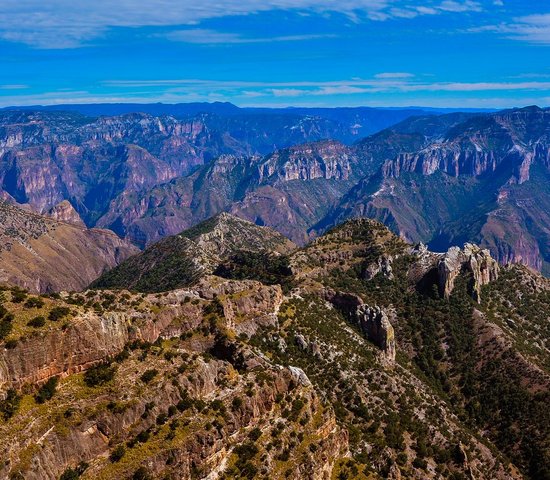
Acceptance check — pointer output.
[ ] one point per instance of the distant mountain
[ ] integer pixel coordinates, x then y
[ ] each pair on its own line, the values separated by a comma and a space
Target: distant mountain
357, 121
486, 180
46, 255
180, 260
441, 179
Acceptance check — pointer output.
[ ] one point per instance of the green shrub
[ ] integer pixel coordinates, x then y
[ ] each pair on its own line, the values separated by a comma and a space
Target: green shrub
57, 313
236, 403
117, 453
69, 474
10, 404
99, 375
148, 375
17, 296
5, 329
47, 391
37, 322
254, 434
34, 302
142, 474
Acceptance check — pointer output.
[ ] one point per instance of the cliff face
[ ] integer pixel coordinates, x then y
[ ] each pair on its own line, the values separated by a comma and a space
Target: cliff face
65, 212
203, 371
376, 325
48, 157
46, 255
478, 262
323, 160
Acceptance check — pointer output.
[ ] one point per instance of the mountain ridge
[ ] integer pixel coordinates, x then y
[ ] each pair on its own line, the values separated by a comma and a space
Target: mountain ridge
358, 355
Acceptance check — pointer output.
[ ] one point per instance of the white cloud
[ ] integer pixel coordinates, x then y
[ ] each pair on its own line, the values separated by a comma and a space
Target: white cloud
342, 90
351, 92
427, 10
212, 37
454, 6
13, 87
71, 23
533, 29
394, 75
378, 84
286, 92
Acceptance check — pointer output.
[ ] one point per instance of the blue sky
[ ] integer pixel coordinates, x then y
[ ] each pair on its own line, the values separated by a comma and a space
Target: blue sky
455, 53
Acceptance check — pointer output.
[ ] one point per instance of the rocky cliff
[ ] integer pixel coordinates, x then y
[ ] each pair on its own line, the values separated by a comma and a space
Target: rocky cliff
484, 179
162, 423
478, 262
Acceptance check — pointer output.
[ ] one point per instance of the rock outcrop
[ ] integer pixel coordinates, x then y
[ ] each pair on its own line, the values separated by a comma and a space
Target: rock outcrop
65, 212
477, 261
373, 321
382, 265
377, 327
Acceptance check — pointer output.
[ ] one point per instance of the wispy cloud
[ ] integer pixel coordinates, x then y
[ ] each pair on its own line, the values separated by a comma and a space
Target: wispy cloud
212, 37
394, 75
13, 87
534, 29
71, 23
455, 6
378, 84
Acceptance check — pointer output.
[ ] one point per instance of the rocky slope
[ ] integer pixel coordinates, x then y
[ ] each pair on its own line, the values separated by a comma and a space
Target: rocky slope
182, 259
358, 356
46, 255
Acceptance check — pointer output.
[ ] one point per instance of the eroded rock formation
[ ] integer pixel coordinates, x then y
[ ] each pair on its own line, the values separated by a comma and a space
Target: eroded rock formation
477, 261
375, 323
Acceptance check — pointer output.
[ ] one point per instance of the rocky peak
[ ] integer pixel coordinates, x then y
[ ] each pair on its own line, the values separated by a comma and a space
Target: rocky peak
226, 233
181, 260
65, 212
471, 258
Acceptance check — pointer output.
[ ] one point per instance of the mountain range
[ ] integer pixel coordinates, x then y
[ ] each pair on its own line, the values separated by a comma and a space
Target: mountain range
440, 179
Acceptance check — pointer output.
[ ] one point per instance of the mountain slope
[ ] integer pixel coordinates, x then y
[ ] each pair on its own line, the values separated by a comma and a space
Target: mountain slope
372, 359
46, 255
180, 260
